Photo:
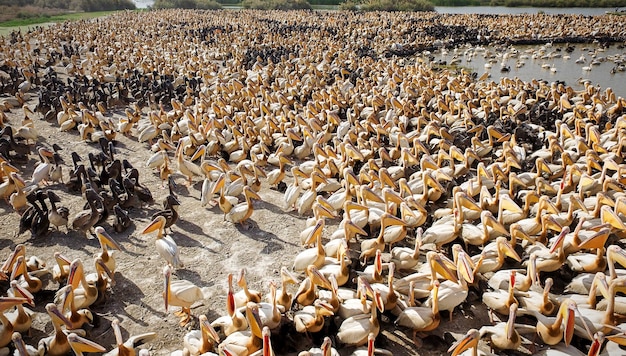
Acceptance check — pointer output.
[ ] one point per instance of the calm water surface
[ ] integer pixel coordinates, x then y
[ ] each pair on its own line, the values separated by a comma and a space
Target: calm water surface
601, 66
501, 10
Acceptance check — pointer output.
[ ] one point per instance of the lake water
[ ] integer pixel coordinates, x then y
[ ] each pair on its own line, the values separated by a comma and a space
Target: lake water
501, 10
601, 66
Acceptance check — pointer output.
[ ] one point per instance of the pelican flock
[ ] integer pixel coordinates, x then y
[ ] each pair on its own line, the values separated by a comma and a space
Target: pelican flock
369, 200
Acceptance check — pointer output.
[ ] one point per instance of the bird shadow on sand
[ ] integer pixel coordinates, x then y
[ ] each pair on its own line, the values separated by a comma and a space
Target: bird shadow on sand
184, 240
114, 305
272, 242
192, 276
194, 229
71, 239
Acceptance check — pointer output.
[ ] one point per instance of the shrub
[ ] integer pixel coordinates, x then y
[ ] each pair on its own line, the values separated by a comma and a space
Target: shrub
208, 5
397, 5
276, 4
186, 4
349, 5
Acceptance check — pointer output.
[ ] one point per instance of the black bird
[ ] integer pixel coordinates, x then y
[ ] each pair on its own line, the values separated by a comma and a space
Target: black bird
122, 220
170, 211
40, 223
58, 215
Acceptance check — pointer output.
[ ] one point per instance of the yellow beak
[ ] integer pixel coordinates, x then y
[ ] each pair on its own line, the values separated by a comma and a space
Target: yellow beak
80, 345
470, 340
106, 239
155, 225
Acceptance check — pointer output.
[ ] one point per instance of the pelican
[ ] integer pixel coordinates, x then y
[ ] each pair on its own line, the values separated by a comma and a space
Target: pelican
127, 348
201, 341
311, 318
79, 345
21, 318
181, 293
106, 241
242, 211
355, 330
245, 295
165, 244
420, 318
245, 342
6, 330
57, 344
235, 320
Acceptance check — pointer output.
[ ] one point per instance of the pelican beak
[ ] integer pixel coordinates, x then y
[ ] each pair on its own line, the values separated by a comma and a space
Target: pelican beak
226, 350
316, 232
19, 343
22, 292
54, 311
106, 238
80, 345
206, 326
326, 309
368, 194
616, 254
267, 349
510, 325
391, 220
318, 277
19, 181
380, 304
73, 271
619, 339
9, 302
370, 343
517, 232
255, 313
325, 209
378, 262
166, 292
551, 223
355, 229
464, 267
390, 195
230, 298
199, 153
597, 240
464, 200
9, 168
18, 268
508, 204
155, 225
219, 184
439, 266
495, 224
106, 269
570, 322
598, 340
287, 276
470, 340
510, 251
251, 194
608, 216
560, 239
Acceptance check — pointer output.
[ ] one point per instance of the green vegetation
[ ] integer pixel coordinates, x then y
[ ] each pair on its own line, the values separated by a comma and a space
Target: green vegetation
34, 6
533, 3
388, 5
187, 4
276, 4
48, 15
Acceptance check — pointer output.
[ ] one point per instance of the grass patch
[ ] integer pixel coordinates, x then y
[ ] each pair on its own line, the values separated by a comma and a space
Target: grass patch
38, 19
